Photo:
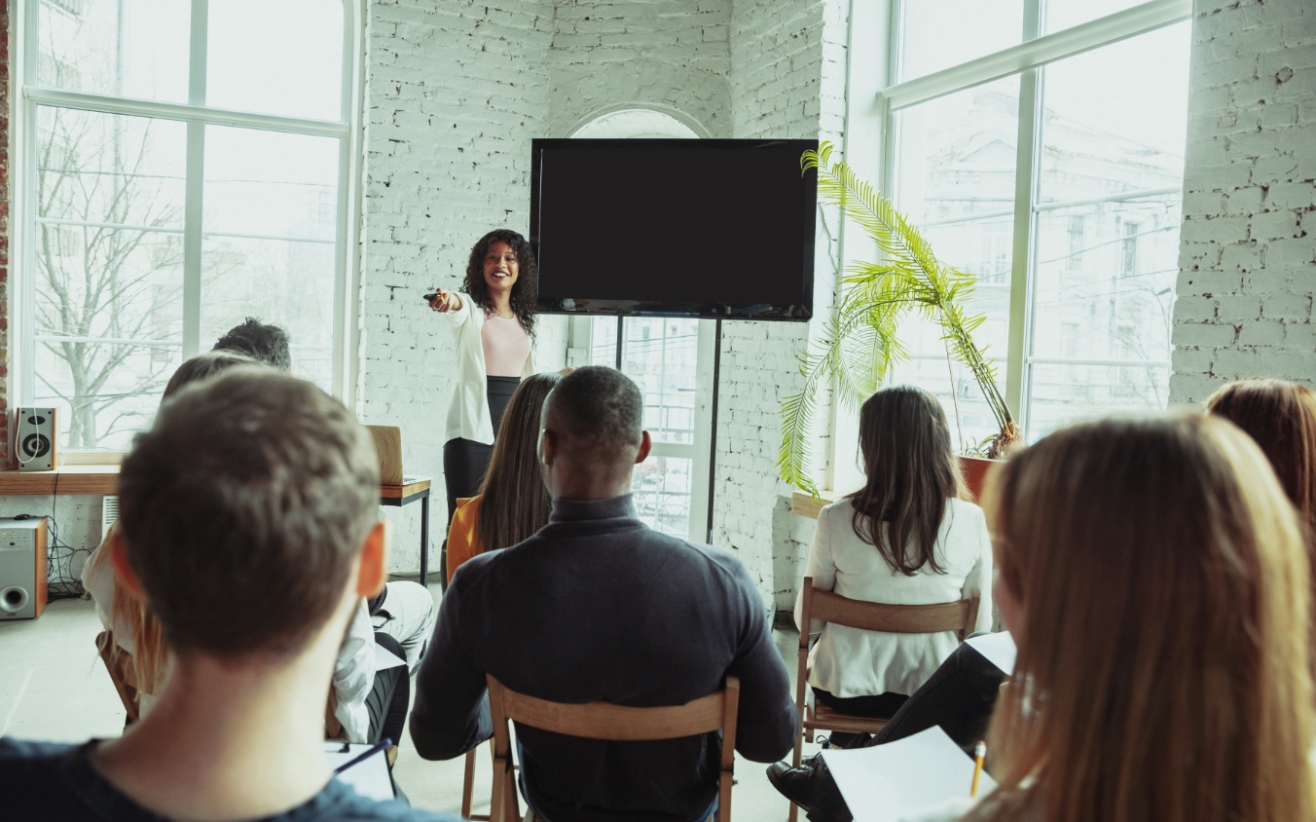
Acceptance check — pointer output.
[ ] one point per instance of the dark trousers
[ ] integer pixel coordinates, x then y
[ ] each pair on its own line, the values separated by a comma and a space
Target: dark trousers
389, 696
959, 697
465, 462
882, 706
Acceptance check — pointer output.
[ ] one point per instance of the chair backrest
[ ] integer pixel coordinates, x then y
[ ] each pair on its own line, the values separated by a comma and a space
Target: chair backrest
959, 616
116, 663
617, 723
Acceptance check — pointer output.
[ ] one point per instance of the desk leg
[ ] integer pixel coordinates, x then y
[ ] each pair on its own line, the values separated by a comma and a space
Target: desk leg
424, 538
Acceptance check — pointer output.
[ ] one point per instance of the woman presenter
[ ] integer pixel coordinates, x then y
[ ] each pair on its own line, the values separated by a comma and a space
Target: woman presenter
493, 323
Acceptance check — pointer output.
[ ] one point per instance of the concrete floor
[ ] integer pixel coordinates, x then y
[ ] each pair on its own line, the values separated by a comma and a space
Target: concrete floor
53, 687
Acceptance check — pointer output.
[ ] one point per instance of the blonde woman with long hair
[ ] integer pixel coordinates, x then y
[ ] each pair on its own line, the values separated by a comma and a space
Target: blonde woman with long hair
1155, 579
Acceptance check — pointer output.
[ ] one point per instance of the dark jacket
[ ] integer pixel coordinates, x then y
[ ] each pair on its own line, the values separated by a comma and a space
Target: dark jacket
597, 606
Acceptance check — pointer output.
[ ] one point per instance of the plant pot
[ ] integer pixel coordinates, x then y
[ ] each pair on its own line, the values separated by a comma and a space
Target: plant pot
974, 470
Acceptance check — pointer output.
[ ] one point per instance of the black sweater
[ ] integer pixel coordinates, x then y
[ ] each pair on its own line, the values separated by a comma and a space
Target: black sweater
597, 606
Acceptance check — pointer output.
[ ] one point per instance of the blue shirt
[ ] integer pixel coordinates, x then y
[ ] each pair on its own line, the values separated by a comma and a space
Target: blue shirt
46, 781
596, 606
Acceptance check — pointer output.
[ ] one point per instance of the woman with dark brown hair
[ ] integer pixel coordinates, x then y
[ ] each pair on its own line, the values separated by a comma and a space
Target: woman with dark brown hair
1155, 581
513, 503
906, 538
493, 325
1281, 417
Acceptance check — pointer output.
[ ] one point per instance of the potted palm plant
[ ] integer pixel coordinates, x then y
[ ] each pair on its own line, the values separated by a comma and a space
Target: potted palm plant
859, 344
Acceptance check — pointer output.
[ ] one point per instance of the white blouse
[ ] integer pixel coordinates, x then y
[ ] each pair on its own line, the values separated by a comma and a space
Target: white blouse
850, 662
468, 413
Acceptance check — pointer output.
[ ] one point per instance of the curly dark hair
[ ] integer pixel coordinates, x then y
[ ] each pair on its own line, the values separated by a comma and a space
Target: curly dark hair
525, 291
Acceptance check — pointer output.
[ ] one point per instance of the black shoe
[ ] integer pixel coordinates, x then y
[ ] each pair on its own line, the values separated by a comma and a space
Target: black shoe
796, 784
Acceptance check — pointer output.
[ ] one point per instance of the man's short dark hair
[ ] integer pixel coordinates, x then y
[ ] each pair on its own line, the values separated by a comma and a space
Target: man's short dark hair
204, 366
600, 403
243, 508
267, 343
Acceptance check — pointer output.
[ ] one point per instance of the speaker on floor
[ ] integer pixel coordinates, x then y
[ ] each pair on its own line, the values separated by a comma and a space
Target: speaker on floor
36, 446
23, 564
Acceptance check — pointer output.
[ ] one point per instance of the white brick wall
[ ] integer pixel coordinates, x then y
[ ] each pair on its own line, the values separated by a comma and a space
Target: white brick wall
455, 91
673, 54
1248, 254
787, 80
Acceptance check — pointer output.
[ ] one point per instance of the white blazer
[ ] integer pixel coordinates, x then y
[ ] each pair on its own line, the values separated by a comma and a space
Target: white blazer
468, 413
850, 662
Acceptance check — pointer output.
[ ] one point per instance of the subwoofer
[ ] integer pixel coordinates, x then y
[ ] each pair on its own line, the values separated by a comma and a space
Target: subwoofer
23, 563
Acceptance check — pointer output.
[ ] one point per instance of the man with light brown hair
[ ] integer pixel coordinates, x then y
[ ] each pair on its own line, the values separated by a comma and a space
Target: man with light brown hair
250, 527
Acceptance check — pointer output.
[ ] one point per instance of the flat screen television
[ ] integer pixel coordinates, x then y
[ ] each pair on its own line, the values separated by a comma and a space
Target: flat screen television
700, 228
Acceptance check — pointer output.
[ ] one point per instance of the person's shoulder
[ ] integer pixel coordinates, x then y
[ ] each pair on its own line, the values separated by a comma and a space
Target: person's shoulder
965, 512
14, 751
841, 510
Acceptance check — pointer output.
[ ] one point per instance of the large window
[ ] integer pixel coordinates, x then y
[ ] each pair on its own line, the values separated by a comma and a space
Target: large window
184, 165
670, 360
1039, 144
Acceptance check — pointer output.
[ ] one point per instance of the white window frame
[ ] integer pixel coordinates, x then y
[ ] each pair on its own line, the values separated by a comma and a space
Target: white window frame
1025, 60
196, 115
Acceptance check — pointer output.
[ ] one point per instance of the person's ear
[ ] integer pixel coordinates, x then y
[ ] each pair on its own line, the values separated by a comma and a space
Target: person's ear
547, 447
124, 576
645, 445
373, 572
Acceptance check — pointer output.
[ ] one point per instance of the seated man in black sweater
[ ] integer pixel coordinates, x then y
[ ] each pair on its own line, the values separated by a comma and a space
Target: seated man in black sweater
250, 526
597, 606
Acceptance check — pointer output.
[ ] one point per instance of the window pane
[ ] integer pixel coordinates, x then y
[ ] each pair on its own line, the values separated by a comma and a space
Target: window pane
938, 34
107, 301
662, 488
955, 156
125, 48
1105, 276
661, 355
955, 178
269, 219
281, 58
1116, 119
1104, 271
1061, 395
108, 329
1062, 14
107, 168
603, 341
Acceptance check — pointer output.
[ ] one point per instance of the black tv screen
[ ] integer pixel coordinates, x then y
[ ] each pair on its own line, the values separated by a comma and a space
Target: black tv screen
706, 228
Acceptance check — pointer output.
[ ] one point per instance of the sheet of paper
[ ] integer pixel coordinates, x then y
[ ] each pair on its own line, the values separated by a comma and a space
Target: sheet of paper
385, 659
998, 648
368, 777
890, 782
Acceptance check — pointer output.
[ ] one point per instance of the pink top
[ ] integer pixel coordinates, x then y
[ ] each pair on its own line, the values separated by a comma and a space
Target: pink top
506, 346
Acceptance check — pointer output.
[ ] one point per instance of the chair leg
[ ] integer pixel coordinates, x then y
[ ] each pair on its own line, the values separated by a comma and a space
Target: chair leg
468, 784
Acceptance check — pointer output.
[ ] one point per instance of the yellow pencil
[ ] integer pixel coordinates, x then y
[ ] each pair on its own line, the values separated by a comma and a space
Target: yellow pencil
979, 753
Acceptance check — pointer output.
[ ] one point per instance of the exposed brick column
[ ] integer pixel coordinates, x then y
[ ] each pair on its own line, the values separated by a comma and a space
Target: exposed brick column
4, 234
1248, 250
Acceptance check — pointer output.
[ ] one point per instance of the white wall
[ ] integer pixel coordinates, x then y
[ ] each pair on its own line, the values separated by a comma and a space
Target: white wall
787, 80
1248, 248
455, 91
667, 55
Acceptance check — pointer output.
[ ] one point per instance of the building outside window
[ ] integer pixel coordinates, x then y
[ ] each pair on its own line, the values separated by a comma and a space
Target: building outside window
184, 165
1079, 159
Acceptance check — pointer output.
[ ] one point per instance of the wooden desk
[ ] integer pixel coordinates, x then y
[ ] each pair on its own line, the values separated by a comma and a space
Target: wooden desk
103, 480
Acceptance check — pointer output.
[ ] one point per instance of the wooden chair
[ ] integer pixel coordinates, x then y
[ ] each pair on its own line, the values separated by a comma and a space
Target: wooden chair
601, 720
959, 616
468, 786
120, 674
